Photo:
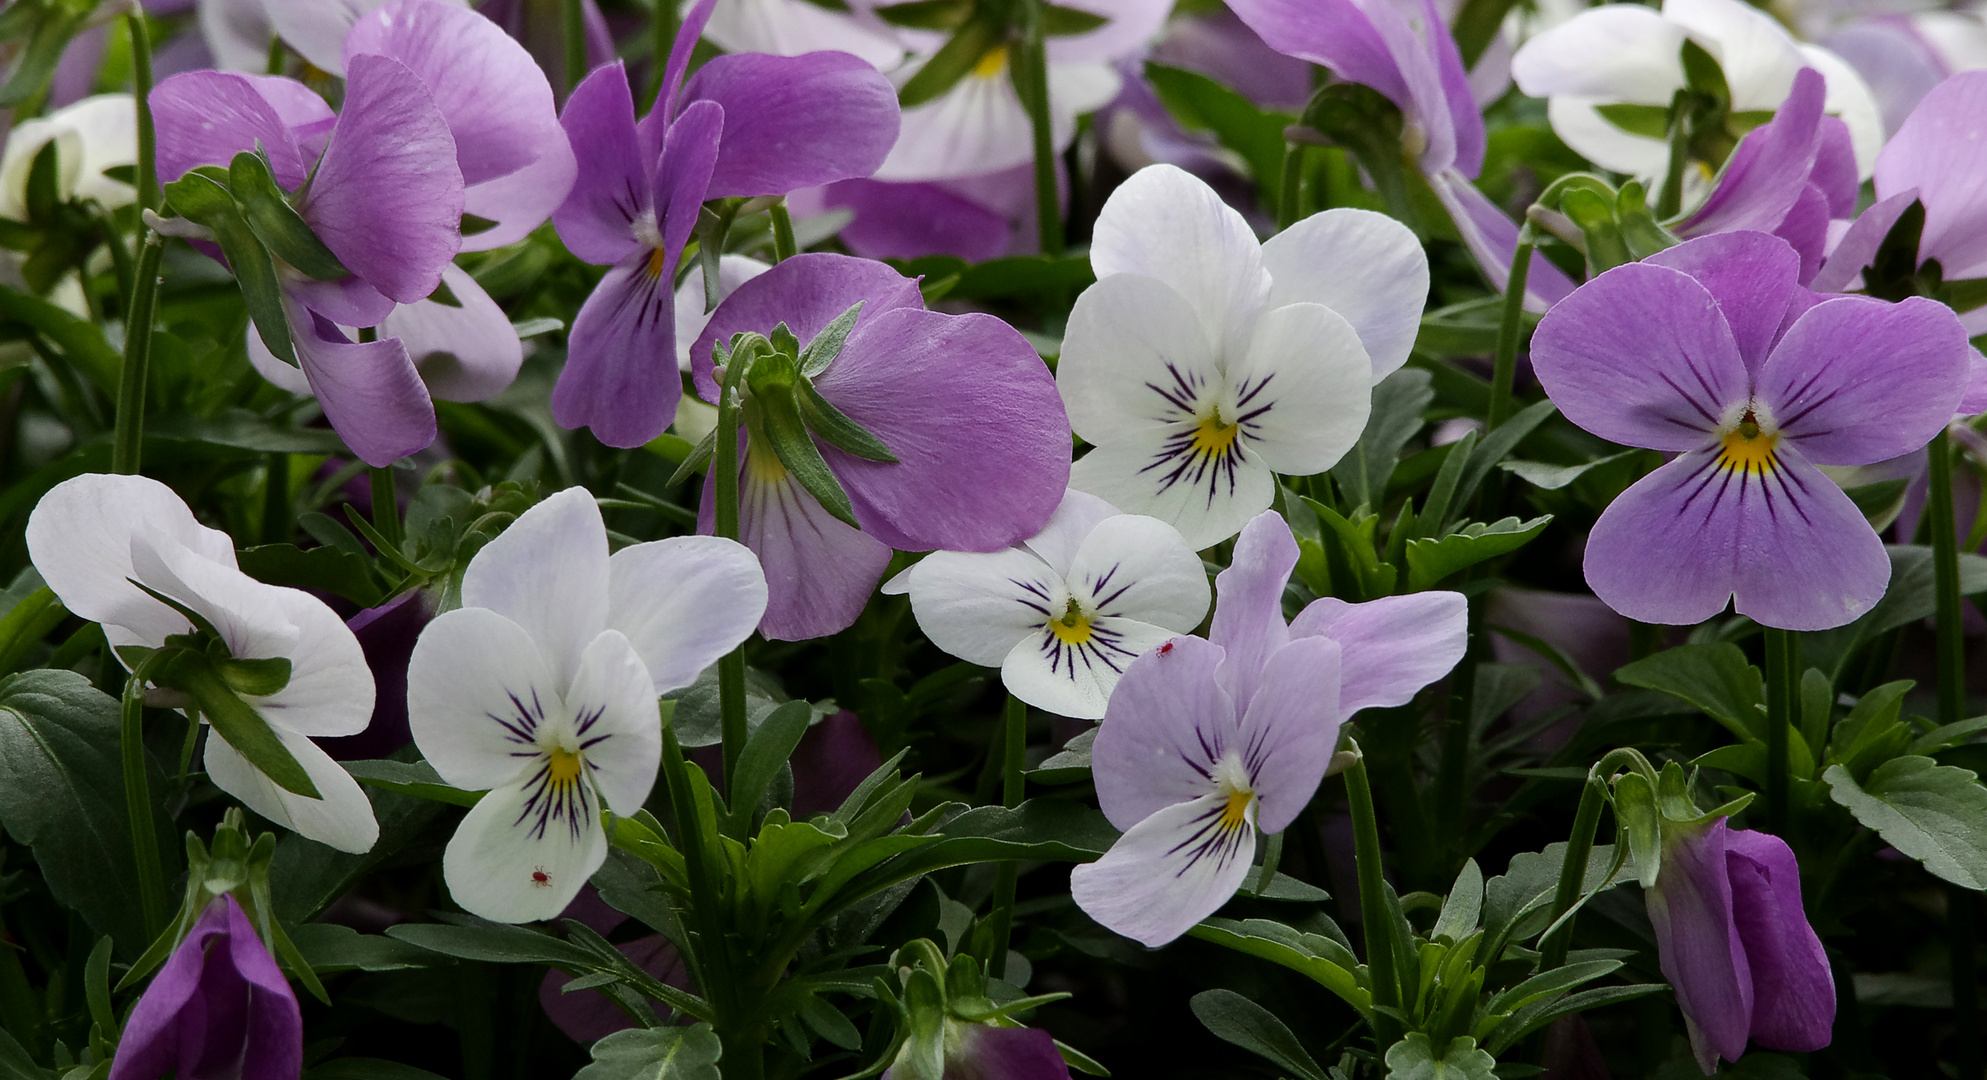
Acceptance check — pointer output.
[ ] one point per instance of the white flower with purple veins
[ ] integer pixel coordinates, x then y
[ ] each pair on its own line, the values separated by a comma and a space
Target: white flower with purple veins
1202, 363
542, 689
1065, 612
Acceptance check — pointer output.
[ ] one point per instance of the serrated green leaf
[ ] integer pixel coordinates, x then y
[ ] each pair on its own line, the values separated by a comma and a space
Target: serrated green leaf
1934, 813
1716, 678
1415, 1058
1431, 561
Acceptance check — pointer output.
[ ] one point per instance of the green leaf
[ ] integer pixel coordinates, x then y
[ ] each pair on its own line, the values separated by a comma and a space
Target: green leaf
1058, 21
1499, 444
1248, 1025
768, 748
1464, 905
827, 345
664, 1053
1554, 477
1517, 903
1946, 736
34, 65
416, 778
79, 340
1201, 104
1430, 561
1398, 403
325, 568
310, 875
1069, 765
329, 947
28, 621
62, 794
243, 430
280, 228
16, 1063
494, 943
927, 14
952, 62
1415, 1058
1934, 813
1325, 961
1648, 121
1716, 678
237, 722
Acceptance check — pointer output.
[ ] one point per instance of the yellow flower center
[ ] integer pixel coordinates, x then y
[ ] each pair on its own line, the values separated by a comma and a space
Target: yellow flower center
1748, 449
657, 263
992, 63
565, 766
1235, 814
1074, 627
1214, 438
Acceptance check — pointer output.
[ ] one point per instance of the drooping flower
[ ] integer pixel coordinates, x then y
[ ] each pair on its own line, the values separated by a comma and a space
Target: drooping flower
219, 1007
1712, 350
745, 125
1735, 943
92, 536
963, 403
1202, 362
90, 136
1062, 613
542, 689
1204, 742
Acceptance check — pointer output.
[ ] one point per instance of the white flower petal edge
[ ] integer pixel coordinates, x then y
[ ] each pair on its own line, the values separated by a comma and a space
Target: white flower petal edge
684, 602
1166, 223
342, 819
1367, 267
1171, 870
548, 573
79, 538
522, 852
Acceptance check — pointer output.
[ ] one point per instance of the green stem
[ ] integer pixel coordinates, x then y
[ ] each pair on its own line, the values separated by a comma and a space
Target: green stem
1272, 859
138, 802
662, 35
1670, 202
277, 60
1573, 872
1962, 910
724, 473
712, 947
386, 513
783, 245
141, 90
1779, 717
1451, 798
573, 30
1510, 329
1287, 209
1374, 917
1034, 69
130, 426
1013, 787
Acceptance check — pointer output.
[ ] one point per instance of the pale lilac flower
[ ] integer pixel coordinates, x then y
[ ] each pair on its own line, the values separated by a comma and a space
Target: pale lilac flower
1205, 742
92, 536
316, 29
1903, 56
975, 218
1713, 351
1062, 613
219, 1007
1202, 362
963, 402
542, 689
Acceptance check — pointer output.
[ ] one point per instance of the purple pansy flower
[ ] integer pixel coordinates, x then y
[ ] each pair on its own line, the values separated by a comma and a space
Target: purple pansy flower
745, 125
963, 402
1204, 742
1735, 944
1712, 351
219, 1007
986, 1052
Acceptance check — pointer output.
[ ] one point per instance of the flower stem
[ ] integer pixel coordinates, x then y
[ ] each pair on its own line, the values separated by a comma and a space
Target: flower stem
724, 473
1013, 787
1504, 373
1669, 203
141, 90
386, 514
1779, 716
662, 33
573, 29
138, 803
1573, 872
1288, 211
1962, 910
783, 245
129, 438
1033, 80
1375, 915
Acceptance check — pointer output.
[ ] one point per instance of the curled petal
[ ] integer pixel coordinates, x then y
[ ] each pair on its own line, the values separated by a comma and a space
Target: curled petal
1698, 945
1793, 992
342, 819
1392, 646
1857, 247
79, 537
1492, 238
370, 390
466, 351
1169, 871
1767, 172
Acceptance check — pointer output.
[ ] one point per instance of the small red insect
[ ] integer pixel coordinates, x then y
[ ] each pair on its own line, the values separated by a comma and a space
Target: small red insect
540, 878
1166, 648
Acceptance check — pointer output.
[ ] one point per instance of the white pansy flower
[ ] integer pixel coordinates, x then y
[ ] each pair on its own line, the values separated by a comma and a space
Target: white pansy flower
92, 536
1062, 614
1202, 362
92, 135
542, 689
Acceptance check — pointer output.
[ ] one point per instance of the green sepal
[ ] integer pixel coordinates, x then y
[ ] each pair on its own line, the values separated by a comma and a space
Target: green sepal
828, 343
275, 223
1636, 817
201, 199
927, 14
923, 1053
952, 62
786, 434
256, 678
43, 191
699, 456
830, 423
1059, 21
236, 722
1638, 226
1606, 248
200, 624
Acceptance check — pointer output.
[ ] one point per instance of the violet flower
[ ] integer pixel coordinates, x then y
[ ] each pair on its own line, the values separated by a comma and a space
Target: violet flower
745, 125
962, 401
219, 1007
1735, 944
985, 1052
1712, 351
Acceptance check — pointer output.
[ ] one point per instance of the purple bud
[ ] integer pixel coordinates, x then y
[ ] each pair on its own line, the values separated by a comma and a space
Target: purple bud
219, 1007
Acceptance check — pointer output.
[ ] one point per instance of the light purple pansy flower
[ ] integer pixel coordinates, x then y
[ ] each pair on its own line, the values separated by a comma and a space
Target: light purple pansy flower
219, 1007
1204, 742
745, 125
1902, 56
963, 402
1712, 351
1735, 944
985, 1052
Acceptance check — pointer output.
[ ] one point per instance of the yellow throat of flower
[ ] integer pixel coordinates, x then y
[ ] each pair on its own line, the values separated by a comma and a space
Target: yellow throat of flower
1214, 438
1748, 449
1074, 626
762, 464
657, 263
1236, 813
993, 63
565, 766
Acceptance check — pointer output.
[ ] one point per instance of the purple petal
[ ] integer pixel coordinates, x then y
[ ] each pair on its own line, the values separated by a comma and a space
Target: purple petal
1835, 168
613, 186
387, 196
220, 1004
1766, 172
1793, 992
300, 108
1463, 116
971, 414
1942, 151
1805, 228
1897, 63
1004, 1053
1697, 944
1339, 34
656, 124
468, 352
1291, 729
1219, 45
807, 292
272, 1046
387, 634
370, 391
907, 221
1492, 238
683, 175
207, 117
349, 301
1248, 608
833, 758
1640, 356
1754, 279
1858, 246
620, 378
1168, 722
795, 121
1786, 542
1857, 380
523, 200
1392, 646
494, 97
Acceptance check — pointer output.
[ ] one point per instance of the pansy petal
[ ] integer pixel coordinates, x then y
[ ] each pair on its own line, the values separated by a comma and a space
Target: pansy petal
982, 457
548, 573
688, 33
478, 690
342, 819
1492, 238
1367, 267
806, 292
1168, 723
1698, 945
612, 190
1075, 677
1248, 611
521, 855
1768, 170
1753, 277
331, 691
1291, 728
1857, 247
1805, 228
467, 351
1793, 991
1757, 55
795, 121
1169, 871
1851, 100
793, 27
977, 606
1207, 497
1578, 121
348, 301
1075, 516
684, 602
1392, 646
370, 390
1339, 34
207, 117
691, 318
387, 196
1641, 355
1138, 567
1166, 223
979, 126
910, 220
79, 538
521, 201
1135, 358
1829, 399
1622, 52
1303, 390
1942, 151
620, 378
613, 702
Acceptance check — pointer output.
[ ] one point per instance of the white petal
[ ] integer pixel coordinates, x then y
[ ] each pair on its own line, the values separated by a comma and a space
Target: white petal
106, 126
1616, 52
733, 271
684, 602
1168, 872
1137, 567
615, 719
1315, 389
237, 32
1076, 680
548, 574
521, 854
1075, 516
1168, 224
478, 690
793, 27
521, 201
1135, 359
1075, 89
331, 688
316, 28
1576, 122
1208, 501
79, 538
245, 612
466, 353
1757, 54
977, 606
24, 144
1850, 98
976, 127
342, 819
1366, 266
